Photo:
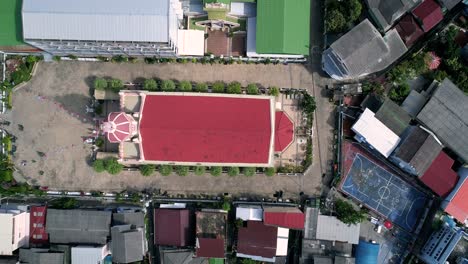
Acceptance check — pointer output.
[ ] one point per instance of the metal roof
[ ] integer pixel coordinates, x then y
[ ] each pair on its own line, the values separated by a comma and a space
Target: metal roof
136, 219
180, 256
393, 117
257, 239
449, 4
332, 229
446, 114
127, 244
172, 227
249, 213
287, 217
367, 253
103, 20
386, 12
40, 256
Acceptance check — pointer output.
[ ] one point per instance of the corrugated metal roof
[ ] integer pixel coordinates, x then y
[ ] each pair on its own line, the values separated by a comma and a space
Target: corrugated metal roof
127, 244
440, 177
87, 255
393, 117
287, 217
249, 213
257, 239
367, 253
331, 229
129, 218
172, 227
103, 20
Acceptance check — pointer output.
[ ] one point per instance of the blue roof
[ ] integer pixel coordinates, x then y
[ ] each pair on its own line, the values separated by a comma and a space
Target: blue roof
367, 253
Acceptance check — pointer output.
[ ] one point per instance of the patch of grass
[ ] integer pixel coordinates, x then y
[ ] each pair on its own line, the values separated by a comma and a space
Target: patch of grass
193, 20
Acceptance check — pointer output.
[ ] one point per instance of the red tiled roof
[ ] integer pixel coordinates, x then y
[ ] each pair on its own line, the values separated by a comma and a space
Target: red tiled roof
284, 131
257, 239
440, 177
287, 217
119, 127
429, 13
210, 247
172, 227
37, 222
409, 30
458, 206
206, 129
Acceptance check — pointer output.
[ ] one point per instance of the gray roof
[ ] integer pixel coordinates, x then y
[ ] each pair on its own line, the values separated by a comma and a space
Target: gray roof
103, 20
446, 114
393, 117
180, 256
127, 244
136, 219
449, 4
413, 103
40, 256
323, 260
310, 227
386, 12
78, 226
331, 229
344, 260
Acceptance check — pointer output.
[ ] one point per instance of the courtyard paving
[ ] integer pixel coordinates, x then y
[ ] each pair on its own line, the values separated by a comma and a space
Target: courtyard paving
51, 109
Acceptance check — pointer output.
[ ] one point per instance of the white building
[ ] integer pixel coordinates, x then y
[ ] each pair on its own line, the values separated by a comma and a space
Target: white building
331, 229
88, 254
14, 230
249, 213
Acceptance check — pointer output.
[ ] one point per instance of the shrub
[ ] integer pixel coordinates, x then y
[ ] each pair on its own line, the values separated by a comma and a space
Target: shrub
165, 170
57, 58
185, 86
226, 206
73, 57
252, 89
102, 58
150, 60
218, 87
113, 166
233, 171
115, 85
150, 85
99, 142
201, 87
119, 58
199, 170
234, 88
270, 171
308, 104
182, 170
249, 171
147, 169
168, 86
216, 170
100, 84
132, 59
274, 91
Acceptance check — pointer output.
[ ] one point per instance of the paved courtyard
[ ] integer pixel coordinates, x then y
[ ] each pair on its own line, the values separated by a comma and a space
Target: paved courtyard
51, 110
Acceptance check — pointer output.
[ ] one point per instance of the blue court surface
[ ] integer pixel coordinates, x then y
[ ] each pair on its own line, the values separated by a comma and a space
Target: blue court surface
384, 193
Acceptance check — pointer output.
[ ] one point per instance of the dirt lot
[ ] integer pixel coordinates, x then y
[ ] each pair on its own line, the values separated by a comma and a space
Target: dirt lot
51, 108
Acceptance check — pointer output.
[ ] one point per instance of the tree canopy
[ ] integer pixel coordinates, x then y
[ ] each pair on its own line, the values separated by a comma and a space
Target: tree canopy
147, 169
150, 84
346, 213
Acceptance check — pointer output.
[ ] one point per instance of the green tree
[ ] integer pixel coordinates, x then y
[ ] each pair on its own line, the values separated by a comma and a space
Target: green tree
226, 206
147, 169
6, 175
398, 93
150, 85
270, 171
335, 21
168, 86
115, 85
99, 166
218, 87
201, 87
100, 84
252, 89
369, 87
308, 103
185, 86
113, 166
216, 170
199, 170
274, 91
249, 171
165, 170
354, 9
234, 88
346, 213
233, 171
182, 170
64, 203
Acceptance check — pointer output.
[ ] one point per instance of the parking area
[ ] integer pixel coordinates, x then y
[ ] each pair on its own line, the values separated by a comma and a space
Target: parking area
50, 122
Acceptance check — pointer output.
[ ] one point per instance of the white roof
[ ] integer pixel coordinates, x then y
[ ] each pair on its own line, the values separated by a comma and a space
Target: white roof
375, 133
102, 20
86, 255
191, 42
249, 213
6, 234
332, 229
243, 9
282, 242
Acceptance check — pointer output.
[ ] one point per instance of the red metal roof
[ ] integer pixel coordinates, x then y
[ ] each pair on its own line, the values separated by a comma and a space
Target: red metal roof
287, 217
206, 129
257, 239
429, 13
458, 206
37, 222
409, 30
210, 248
119, 127
284, 131
172, 227
440, 177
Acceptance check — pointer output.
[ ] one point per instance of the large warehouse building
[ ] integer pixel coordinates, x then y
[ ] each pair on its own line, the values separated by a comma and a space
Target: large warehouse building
104, 27
198, 129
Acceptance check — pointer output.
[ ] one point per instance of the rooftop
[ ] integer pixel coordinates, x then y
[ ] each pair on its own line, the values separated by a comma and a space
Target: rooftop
40, 256
429, 13
257, 239
249, 213
456, 201
287, 217
449, 4
386, 12
284, 131
210, 247
332, 229
172, 227
440, 177
180, 256
409, 30
127, 244
393, 117
10, 19
136, 219
211, 224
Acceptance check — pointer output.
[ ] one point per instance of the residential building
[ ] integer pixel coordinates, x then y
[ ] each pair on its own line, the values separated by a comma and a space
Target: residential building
40, 256
127, 244
78, 226
211, 233
135, 219
386, 12
375, 134
14, 231
331, 229
441, 244
173, 227
409, 30
440, 177
449, 4
367, 252
182, 256
106, 27
37, 222
249, 213
89, 254
455, 203
446, 114
286, 217
362, 51
429, 14
393, 116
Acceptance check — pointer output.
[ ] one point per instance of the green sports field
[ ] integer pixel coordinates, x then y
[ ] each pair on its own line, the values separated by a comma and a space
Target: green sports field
10, 23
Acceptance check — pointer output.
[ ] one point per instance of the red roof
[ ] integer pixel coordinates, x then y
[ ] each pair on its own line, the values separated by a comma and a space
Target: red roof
287, 217
37, 222
172, 227
206, 129
210, 247
409, 30
257, 239
429, 13
458, 206
119, 127
440, 177
284, 131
